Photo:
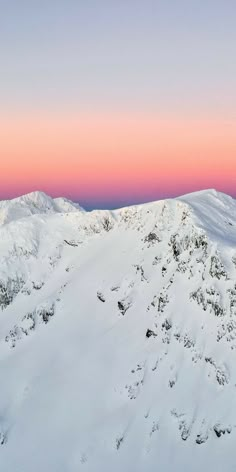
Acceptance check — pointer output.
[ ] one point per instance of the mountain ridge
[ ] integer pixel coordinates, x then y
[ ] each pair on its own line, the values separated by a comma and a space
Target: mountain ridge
41, 195
118, 337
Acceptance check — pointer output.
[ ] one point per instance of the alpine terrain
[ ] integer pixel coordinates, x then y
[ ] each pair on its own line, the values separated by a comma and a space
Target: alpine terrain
118, 336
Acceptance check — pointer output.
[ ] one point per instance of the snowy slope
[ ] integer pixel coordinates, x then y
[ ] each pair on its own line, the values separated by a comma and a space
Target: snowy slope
118, 336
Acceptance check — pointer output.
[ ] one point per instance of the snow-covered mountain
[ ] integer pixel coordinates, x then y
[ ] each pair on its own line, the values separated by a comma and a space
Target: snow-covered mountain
118, 336
34, 203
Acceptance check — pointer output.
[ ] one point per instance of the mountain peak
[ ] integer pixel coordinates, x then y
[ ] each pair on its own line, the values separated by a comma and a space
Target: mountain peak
207, 193
32, 203
38, 198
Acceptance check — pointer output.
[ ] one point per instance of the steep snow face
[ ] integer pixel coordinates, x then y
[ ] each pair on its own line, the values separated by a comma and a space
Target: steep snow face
118, 336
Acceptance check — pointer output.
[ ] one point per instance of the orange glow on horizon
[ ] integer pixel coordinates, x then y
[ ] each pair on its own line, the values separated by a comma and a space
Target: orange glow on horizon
93, 154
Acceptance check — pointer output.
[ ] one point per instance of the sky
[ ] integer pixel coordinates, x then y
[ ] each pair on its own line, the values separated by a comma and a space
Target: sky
113, 102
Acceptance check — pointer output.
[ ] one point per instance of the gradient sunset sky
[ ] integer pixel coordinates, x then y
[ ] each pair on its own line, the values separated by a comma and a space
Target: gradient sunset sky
113, 102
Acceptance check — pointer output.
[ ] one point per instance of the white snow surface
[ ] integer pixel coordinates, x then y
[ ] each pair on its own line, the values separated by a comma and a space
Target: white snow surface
118, 336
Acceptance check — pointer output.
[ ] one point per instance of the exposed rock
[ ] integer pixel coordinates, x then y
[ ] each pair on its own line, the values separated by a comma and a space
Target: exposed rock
216, 268
124, 305
150, 333
8, 290
71, 243
152, 238
101, 297
166, 325
219, 430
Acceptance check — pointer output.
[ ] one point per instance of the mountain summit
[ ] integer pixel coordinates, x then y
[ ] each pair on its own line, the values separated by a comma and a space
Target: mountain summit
118, 335
34, 203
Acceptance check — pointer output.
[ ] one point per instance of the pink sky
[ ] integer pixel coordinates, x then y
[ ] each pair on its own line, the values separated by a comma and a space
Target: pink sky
115, 157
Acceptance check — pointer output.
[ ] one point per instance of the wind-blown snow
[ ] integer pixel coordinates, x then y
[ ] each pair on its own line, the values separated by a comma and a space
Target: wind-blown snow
118, 336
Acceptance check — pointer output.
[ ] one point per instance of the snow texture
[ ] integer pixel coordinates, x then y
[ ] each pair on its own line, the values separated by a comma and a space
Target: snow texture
118, 336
